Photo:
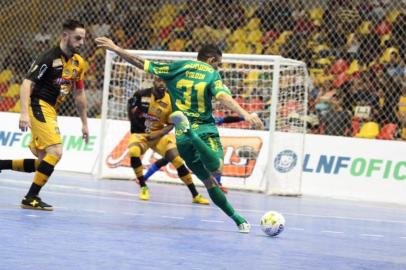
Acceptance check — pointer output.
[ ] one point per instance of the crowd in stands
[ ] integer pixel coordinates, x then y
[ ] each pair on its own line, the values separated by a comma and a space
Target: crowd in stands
355, 52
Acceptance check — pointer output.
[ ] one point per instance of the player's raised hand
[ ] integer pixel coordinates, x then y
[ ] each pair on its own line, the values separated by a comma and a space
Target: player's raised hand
85, 133
105, 43
24, 122
254, 120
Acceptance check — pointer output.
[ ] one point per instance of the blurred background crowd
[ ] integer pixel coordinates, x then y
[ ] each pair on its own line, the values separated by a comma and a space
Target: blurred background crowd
355, 51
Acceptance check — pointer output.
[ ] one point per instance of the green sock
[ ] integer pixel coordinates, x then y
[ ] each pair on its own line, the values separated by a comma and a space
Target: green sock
207, 155
217, 196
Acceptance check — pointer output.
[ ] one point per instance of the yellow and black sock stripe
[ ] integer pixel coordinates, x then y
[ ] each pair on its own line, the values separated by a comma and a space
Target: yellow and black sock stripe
185, 175
183, 172
20, 165
45, 169
138, 170
25, 165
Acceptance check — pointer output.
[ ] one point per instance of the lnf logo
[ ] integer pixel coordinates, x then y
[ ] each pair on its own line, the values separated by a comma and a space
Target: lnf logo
285, 161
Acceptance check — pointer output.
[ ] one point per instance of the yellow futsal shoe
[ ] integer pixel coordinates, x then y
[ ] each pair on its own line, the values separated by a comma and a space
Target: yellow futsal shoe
200, 199
144, 193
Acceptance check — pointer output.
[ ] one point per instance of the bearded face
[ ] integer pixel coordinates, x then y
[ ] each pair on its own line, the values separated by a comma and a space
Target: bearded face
75, 39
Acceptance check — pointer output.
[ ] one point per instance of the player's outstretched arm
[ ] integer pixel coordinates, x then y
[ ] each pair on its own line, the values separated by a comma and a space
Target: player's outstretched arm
231, 104
25, 92
228, 119
108, 44
81, 105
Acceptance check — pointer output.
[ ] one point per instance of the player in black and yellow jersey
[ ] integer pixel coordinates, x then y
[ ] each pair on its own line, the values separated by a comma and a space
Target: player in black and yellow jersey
149, 111
54, 74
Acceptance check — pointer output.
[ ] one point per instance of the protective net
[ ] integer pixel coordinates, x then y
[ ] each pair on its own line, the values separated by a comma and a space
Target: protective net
249, 78
250, 82
355, 50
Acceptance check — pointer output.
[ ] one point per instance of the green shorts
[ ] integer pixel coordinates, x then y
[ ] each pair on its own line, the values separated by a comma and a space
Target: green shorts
190, 154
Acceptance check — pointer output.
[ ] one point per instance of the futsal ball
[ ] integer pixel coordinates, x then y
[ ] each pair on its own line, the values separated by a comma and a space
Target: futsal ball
272, 223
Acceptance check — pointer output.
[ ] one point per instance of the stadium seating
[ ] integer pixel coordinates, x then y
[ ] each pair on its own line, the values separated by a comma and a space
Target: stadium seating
369, 130
367, 43
388, 132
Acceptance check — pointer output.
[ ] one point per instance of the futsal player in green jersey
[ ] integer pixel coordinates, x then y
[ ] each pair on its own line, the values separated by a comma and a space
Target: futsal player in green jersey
191, 85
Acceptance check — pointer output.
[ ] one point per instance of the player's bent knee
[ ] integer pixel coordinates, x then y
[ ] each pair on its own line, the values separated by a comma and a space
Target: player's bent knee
213, 166
135, 162
208, 183
135, 151
34, 151
177, 162
182, 171
220, 169
55, 150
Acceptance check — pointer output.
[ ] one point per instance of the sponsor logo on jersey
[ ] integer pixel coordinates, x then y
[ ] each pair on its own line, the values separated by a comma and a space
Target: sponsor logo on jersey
33, 68
42, 71
57, 63
146, 99
62, 81
75, 63
163, 104
192, 114
149, 117
218, 84
161, 70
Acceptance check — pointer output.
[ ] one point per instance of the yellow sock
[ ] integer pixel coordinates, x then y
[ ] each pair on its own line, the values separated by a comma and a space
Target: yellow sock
45, 169
25, 165
404, 133
187, 179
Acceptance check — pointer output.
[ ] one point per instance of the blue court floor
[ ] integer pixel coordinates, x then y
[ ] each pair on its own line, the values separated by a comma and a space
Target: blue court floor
101, 224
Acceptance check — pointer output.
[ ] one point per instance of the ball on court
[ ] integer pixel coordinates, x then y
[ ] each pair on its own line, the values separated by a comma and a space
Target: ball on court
272, 223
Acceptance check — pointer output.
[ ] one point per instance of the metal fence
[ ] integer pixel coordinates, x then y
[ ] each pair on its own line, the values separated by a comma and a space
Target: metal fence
355, 50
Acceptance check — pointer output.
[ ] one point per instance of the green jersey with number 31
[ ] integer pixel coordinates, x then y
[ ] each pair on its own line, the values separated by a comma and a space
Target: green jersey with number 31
191, 85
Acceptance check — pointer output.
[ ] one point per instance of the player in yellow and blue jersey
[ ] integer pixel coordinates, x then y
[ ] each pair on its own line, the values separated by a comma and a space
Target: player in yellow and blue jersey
148, 112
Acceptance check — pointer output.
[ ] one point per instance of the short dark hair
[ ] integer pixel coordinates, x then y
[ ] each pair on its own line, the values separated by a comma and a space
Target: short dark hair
72, 25
207, 51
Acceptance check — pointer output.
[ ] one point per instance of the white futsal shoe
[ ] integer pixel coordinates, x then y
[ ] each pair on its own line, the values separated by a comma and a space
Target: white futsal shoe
244, 227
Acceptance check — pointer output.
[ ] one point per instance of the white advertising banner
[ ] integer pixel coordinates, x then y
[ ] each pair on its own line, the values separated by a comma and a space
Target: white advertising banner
77, 156
244, 157
354, 168
284, 172
338, 167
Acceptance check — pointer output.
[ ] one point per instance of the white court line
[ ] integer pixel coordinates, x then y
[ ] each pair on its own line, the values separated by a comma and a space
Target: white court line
212, 221
118, 199
331, 232
94, 211
345, 218
98, 191
32, 216
132, 214
372, 235
172, 217
295, 229
403, 237
171, 204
